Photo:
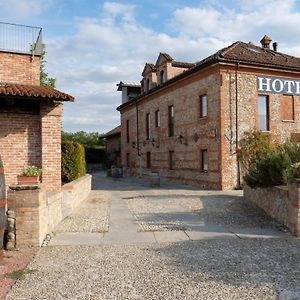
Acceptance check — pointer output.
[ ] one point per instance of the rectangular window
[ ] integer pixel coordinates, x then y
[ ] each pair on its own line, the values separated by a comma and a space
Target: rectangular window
127, 131
171, 120
204, 161
203, 106
148, 126
157, 119
263, 113
148, 160
287, 108
171, 160
128, 160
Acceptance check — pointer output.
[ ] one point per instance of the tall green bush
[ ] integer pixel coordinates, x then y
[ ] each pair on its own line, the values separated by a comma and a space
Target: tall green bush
275, 166
72, 161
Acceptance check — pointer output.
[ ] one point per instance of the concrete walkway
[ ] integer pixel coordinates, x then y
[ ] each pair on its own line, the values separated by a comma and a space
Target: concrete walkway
124, 225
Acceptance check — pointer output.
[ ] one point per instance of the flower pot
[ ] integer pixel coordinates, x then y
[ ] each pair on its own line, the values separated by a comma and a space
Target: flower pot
28, 180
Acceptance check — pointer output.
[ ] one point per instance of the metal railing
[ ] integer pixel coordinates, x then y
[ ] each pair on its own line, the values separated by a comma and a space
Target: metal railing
20, 38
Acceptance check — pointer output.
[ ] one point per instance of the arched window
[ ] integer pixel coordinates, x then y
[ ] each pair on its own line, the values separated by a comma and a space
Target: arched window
162, 76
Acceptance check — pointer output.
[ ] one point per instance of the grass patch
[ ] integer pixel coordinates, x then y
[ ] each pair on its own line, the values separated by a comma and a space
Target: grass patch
19, 274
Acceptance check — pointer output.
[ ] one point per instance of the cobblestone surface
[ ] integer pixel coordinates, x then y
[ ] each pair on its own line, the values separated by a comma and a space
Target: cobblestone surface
159, 211
176, 209
211, 269
90, 216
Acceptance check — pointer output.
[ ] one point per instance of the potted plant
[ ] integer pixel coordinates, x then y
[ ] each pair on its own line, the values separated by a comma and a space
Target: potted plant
30, 175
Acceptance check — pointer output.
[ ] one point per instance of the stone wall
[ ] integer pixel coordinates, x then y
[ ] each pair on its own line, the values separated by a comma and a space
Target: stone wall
281, 203
37, 212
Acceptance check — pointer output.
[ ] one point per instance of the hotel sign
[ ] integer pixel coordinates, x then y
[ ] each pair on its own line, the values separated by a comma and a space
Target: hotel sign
278, 85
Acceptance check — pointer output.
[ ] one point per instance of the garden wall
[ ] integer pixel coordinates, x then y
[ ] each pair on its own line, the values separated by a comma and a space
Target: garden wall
280, 202
37, 212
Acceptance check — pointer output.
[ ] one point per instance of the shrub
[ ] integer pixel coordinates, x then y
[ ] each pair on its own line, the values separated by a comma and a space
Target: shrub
276, 167
72, 161
254, 146
267, 171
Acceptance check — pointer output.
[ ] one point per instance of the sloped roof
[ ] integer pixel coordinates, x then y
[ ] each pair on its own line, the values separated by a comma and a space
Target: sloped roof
251, 54
128, 84
33, 91
238, 52
113, 132
181, 64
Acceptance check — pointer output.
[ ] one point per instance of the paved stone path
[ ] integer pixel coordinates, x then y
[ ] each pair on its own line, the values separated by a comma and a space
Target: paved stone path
173, 242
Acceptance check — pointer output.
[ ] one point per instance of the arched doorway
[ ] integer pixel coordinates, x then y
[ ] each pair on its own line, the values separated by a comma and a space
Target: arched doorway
2, 205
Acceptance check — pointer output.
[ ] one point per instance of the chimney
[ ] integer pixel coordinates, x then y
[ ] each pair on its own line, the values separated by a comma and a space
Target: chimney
265, 42
275, 46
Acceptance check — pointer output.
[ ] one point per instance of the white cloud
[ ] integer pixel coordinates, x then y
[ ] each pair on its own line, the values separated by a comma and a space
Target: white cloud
23, 9
116, 45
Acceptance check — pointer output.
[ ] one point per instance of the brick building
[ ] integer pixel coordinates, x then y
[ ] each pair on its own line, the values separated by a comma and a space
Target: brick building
30, 119
30, 114
113, 146
189, 118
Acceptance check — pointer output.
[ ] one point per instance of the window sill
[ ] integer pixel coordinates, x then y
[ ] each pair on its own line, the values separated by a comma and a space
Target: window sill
288, 121
203, 118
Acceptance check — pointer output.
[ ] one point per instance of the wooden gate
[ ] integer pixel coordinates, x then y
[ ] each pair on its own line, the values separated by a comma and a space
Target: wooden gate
2, 206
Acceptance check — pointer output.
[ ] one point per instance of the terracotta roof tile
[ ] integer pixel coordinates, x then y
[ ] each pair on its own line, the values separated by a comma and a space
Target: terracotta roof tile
180, 64
249, 53
33, 91
113, 132
166, 56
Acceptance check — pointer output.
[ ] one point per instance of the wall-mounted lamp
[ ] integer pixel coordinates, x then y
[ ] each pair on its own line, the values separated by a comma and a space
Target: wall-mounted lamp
182, 140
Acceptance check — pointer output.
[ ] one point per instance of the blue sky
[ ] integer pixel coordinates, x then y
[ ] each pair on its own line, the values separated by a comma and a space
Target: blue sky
92, 45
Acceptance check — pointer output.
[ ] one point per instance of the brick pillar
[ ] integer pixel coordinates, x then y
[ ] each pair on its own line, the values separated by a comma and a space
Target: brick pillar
29, 209
51, 145
294, 206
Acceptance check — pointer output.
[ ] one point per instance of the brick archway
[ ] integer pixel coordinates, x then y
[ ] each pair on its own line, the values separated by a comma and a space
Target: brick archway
2, 205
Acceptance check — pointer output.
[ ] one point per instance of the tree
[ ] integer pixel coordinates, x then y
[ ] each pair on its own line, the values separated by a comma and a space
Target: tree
88, 140
45, 80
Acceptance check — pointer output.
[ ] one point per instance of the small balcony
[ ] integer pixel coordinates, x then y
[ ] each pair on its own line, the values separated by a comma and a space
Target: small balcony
20, 39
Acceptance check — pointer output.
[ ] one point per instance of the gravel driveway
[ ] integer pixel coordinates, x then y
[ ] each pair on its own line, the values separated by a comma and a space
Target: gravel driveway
211, 269
207, 266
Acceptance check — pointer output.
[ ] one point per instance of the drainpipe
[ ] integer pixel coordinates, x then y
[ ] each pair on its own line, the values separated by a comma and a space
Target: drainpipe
138, 140
137, 129
237, 127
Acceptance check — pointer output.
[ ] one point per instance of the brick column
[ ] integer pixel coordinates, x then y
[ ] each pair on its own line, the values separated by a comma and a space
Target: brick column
51, 145
294, 206
29, 209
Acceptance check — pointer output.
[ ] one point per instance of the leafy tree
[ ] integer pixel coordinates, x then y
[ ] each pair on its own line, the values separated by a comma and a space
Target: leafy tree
45, 80
88, 140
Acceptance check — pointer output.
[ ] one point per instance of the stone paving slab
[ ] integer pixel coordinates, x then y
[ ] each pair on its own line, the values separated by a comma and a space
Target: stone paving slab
170, 236
77, 238
259, 233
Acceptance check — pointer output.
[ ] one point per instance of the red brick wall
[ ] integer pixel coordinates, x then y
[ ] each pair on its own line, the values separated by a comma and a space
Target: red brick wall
219, 83
280, 129
20, 143
51, 145
19, 68
184, 96
32, 139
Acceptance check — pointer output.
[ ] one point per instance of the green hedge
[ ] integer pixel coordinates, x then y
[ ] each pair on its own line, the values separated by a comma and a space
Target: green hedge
72, 161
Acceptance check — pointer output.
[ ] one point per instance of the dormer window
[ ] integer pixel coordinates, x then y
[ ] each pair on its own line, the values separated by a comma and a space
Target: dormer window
148, 85
162, 77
